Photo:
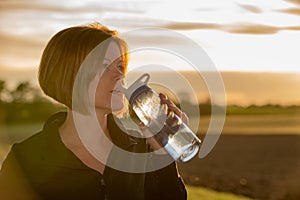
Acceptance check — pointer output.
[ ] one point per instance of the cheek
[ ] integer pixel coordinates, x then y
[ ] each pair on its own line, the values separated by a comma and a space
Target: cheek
96, 92
102, 96
92, 90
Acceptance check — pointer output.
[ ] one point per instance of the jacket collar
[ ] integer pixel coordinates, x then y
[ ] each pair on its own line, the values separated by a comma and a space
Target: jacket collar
59, 154
119, 137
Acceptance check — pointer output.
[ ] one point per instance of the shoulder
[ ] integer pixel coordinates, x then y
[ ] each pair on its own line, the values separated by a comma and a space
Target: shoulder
41, 143
30, 146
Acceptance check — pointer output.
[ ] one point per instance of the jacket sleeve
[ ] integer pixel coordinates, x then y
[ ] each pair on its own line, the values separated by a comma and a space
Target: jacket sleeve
13, 184
165, 184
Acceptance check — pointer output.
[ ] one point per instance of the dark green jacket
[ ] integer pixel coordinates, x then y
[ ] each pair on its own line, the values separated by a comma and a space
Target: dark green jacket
41, 167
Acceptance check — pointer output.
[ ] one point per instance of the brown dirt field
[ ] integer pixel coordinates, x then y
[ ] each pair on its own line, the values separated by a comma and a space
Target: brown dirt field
257, 166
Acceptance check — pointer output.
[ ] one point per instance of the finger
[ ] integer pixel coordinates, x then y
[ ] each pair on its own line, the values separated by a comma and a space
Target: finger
182, 115
164, 99
171, 119
171, 105
141, 125
145, 130
185, 118
176, 110
162, 96
164, 109
173, 108
171, 130
172, 123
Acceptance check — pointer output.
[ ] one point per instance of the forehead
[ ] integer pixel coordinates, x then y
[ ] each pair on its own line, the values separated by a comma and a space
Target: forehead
113, 52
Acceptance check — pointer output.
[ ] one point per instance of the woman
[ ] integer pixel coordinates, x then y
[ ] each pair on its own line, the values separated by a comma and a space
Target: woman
55, 163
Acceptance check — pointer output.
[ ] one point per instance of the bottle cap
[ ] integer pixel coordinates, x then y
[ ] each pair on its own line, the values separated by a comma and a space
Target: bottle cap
137, 87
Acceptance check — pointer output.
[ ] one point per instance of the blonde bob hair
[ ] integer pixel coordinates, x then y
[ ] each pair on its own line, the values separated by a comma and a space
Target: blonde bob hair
64, 55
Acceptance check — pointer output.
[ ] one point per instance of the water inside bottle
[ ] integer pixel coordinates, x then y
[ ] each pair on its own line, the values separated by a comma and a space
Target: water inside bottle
146, 107
181, 145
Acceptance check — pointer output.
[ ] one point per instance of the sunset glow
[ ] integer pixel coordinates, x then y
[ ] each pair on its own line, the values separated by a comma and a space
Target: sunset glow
238, 35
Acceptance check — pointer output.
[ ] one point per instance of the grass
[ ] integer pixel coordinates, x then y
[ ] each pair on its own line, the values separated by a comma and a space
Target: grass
253, 124
240, 124
263, 110
199, 193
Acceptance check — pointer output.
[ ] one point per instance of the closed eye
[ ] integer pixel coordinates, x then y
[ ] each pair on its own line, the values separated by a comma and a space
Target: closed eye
121, 68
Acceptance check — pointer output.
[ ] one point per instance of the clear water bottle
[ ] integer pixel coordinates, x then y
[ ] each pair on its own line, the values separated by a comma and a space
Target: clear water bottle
182, 145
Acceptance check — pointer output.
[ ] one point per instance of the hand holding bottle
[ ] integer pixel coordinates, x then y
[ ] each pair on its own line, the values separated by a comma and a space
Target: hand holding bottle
163, 123
170, 124
173, 109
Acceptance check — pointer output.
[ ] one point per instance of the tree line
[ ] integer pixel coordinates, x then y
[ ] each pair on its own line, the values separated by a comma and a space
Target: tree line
24, 103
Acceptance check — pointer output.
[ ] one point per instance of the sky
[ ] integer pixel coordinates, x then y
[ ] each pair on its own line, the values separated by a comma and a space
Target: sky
248, 36
238, 35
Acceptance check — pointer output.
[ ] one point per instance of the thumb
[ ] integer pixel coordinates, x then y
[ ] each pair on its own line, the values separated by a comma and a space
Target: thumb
141, 125
145, 130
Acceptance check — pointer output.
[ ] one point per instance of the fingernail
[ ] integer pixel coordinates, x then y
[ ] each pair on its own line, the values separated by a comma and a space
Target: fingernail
162, 95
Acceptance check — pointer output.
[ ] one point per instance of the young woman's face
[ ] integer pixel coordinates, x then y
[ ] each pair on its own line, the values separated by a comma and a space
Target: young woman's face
108, 84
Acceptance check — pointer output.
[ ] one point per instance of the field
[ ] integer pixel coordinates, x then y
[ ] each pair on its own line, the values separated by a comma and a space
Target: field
257, 156
200, 193
257, 166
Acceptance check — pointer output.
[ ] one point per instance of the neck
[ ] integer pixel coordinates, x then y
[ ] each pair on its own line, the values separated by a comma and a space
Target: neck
77, 122
102, 121
88, 138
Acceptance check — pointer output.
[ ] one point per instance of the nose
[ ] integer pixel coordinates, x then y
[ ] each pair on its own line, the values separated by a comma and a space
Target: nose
120, 80
119, 76
120, 83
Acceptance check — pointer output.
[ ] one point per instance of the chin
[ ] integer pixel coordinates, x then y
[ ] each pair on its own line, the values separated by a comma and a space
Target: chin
117, 107
117, 102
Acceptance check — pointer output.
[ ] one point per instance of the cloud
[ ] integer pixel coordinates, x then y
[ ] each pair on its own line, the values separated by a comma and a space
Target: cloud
94, 7
191, 25
294, 28
128, 15
294, 1
293, 11
251, 8
19, 51
10, 43
17, 6
239, 28
248, 28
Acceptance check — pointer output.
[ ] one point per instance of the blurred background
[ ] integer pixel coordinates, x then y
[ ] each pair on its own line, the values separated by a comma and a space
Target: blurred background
253, 45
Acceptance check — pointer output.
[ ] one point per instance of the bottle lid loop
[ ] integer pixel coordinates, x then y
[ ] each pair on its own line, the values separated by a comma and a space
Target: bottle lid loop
141, 82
